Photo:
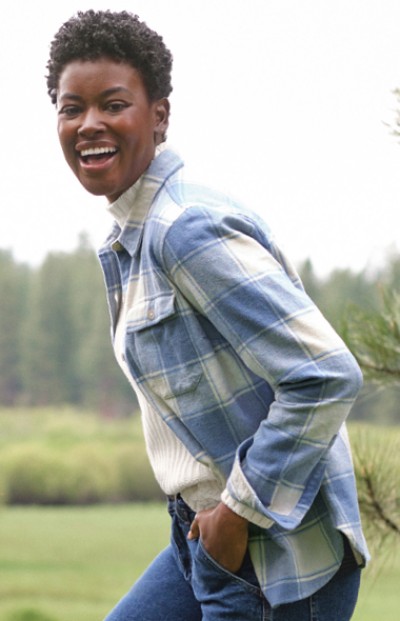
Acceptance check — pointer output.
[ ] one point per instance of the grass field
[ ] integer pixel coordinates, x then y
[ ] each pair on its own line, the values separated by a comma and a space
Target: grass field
74, 563
64, 564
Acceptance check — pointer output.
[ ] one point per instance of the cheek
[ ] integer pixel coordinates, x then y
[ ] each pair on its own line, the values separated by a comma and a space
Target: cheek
61, 137
64, 138
63, 132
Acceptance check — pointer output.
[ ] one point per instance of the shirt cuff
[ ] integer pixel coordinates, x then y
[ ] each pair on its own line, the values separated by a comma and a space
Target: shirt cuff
239, 488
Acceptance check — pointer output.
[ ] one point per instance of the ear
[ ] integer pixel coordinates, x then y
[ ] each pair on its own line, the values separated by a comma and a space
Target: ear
161, 112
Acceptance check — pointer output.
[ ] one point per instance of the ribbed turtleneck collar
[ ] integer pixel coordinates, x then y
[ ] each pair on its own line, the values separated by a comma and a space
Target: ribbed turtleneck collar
121, 208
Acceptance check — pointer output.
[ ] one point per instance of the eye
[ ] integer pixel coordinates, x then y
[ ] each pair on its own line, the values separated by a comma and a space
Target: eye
116, 106
69, 111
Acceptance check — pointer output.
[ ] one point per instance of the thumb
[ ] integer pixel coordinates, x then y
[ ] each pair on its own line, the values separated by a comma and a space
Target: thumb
194, 532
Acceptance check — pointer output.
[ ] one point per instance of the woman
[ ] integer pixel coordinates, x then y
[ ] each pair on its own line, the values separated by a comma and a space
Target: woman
243, 386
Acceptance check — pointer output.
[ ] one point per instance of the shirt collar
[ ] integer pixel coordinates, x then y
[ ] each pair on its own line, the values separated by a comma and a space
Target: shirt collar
131, 209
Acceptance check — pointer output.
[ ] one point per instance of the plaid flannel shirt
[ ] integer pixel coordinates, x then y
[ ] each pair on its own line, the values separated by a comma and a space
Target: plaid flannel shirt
226, 346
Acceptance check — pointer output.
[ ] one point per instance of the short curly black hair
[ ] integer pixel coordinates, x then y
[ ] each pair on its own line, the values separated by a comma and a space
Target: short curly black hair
120, 36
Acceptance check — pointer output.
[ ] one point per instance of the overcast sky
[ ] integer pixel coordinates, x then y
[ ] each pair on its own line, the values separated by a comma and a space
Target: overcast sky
283, 103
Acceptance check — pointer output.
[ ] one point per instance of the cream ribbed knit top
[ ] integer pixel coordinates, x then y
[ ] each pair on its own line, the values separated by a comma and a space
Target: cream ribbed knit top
175, 469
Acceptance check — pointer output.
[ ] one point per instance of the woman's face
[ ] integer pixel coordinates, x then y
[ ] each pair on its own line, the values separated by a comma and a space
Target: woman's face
107, 127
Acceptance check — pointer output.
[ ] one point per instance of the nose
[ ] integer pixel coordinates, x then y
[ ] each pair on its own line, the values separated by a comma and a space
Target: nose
91, 123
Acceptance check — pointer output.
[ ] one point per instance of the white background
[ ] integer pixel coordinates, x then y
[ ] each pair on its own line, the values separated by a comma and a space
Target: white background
283, 103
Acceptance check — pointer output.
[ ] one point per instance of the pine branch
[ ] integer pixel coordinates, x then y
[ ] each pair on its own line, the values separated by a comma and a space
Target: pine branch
378, 507
376, 453
379, 370
374, 339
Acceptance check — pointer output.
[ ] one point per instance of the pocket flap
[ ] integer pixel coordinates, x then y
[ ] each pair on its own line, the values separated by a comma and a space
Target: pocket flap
150, 311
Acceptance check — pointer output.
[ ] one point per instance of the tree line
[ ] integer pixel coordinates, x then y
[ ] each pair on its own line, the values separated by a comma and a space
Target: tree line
55, 341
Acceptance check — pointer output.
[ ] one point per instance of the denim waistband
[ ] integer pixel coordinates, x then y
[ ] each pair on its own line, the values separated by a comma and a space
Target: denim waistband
187, 515
181, 509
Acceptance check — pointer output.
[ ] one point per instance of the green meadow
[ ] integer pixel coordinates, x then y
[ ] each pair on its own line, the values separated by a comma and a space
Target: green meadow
81, 516
59, 564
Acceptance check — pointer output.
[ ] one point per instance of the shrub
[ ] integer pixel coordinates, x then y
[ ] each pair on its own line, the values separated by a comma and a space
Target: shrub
63, 456
90, 472
37, 475
33, 475
136, 479
29, 614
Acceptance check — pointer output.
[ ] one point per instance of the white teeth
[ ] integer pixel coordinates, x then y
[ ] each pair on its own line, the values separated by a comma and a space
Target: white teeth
97, 151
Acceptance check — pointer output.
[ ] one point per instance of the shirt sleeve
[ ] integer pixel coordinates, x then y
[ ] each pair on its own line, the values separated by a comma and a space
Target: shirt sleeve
230, 271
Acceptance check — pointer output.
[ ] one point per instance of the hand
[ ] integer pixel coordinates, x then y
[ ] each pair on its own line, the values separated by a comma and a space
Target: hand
224, 535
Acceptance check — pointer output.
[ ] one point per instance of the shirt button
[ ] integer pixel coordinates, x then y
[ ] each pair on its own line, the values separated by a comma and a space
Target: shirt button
151, 314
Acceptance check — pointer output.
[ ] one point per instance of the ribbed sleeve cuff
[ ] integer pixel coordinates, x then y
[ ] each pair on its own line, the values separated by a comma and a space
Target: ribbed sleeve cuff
239, 488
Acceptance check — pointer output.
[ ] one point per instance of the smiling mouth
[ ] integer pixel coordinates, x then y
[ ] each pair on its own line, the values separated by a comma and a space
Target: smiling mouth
97, 154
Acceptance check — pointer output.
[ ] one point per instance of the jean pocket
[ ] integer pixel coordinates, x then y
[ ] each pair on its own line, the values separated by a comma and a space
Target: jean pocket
180, 547
209, 570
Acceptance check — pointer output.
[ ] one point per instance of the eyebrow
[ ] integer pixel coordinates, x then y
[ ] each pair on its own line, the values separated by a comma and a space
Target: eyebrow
109, 91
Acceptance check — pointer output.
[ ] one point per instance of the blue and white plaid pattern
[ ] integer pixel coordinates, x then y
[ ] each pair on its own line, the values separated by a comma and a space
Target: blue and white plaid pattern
229, 350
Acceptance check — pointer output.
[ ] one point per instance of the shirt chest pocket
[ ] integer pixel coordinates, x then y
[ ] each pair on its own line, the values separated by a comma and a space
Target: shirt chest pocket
159, 349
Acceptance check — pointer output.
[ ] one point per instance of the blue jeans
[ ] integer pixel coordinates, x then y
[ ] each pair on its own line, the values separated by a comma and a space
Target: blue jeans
184, 583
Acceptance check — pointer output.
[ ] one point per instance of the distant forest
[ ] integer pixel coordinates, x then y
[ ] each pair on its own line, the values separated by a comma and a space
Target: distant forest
55, 340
